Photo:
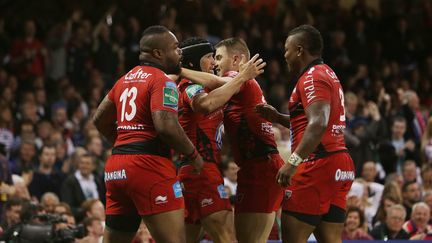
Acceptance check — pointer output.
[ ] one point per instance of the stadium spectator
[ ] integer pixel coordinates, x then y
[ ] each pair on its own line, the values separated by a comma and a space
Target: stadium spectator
355, 227
45, 178
418, 226
391, 229
82, 185
49, 201
411, 194
93, 230
426, 143
230, 176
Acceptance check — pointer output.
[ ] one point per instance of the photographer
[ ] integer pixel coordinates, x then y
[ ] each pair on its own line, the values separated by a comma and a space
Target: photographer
36, 226
11, 215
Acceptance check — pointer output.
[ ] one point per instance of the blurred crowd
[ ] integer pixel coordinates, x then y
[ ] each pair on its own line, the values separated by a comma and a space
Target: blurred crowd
57, 61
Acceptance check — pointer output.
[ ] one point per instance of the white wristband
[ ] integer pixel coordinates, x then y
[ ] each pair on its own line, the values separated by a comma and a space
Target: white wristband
295, 159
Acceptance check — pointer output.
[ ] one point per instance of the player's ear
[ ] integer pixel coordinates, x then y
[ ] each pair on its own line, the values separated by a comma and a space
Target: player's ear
300, 50
157, 53
236, 59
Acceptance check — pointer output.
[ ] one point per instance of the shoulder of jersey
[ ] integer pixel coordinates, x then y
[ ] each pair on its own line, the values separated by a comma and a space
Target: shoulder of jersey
184, 82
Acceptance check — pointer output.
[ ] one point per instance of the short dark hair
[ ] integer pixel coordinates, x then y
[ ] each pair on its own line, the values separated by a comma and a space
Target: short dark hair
154, 30
359, 211
407, 184
309, 37
147, 43
398, 119
14, 201
46, 146
235, 44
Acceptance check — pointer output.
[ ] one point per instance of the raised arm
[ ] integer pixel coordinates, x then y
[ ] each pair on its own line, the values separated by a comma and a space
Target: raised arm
207, 103
169, 130
105, 119
208, 80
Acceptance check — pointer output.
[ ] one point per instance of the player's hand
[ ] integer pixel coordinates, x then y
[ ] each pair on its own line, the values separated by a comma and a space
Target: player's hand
285, 174
267, 112
252, 68
198, 164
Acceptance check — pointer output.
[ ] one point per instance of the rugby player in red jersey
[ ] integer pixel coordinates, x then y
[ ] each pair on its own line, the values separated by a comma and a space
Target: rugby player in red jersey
201, 116
254, 149
139, 115
320, 171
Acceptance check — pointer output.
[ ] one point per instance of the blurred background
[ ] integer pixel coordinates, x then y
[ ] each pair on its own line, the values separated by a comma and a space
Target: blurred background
59, 58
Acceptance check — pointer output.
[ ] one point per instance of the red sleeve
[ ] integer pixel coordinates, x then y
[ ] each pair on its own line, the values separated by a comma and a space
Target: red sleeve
163, 95
318, 90
191, 91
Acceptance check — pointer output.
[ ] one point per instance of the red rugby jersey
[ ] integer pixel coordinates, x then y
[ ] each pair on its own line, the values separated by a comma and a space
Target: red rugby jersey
137, 94
251, 136
318, 83
204, 130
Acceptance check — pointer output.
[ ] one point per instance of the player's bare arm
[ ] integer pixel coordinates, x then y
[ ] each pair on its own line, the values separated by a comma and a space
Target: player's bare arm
207, 103
208, 80
318, 115
105, 119
270, 113
169, 130
212, 81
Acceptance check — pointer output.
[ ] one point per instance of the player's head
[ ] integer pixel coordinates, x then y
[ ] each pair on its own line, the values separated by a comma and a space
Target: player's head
159, 45
303, 45
197, 54
228, 55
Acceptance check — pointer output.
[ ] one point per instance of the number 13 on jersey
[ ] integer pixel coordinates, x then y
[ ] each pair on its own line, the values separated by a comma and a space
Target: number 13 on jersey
128, 94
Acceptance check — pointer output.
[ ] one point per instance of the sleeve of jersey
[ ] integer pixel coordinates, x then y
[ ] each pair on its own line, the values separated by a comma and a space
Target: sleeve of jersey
192, 91
164, 96
319, 90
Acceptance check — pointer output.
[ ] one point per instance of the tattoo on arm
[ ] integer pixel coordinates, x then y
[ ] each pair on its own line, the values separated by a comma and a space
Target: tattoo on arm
169, 130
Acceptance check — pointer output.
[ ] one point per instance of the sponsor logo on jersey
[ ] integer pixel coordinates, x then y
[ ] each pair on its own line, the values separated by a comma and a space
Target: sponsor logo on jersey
177, 190
219, 135
193, 90
115, 175
222, 192
139, 74
170, 97
161, 199
131, 127
267, 127
206, 202
342, 175
337, 130
309, 87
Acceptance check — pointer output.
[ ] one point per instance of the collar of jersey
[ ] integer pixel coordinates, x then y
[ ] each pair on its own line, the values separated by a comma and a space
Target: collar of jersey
313, 63
152, 64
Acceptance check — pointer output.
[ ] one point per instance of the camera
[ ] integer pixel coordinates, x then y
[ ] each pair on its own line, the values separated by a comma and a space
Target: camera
42, 229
